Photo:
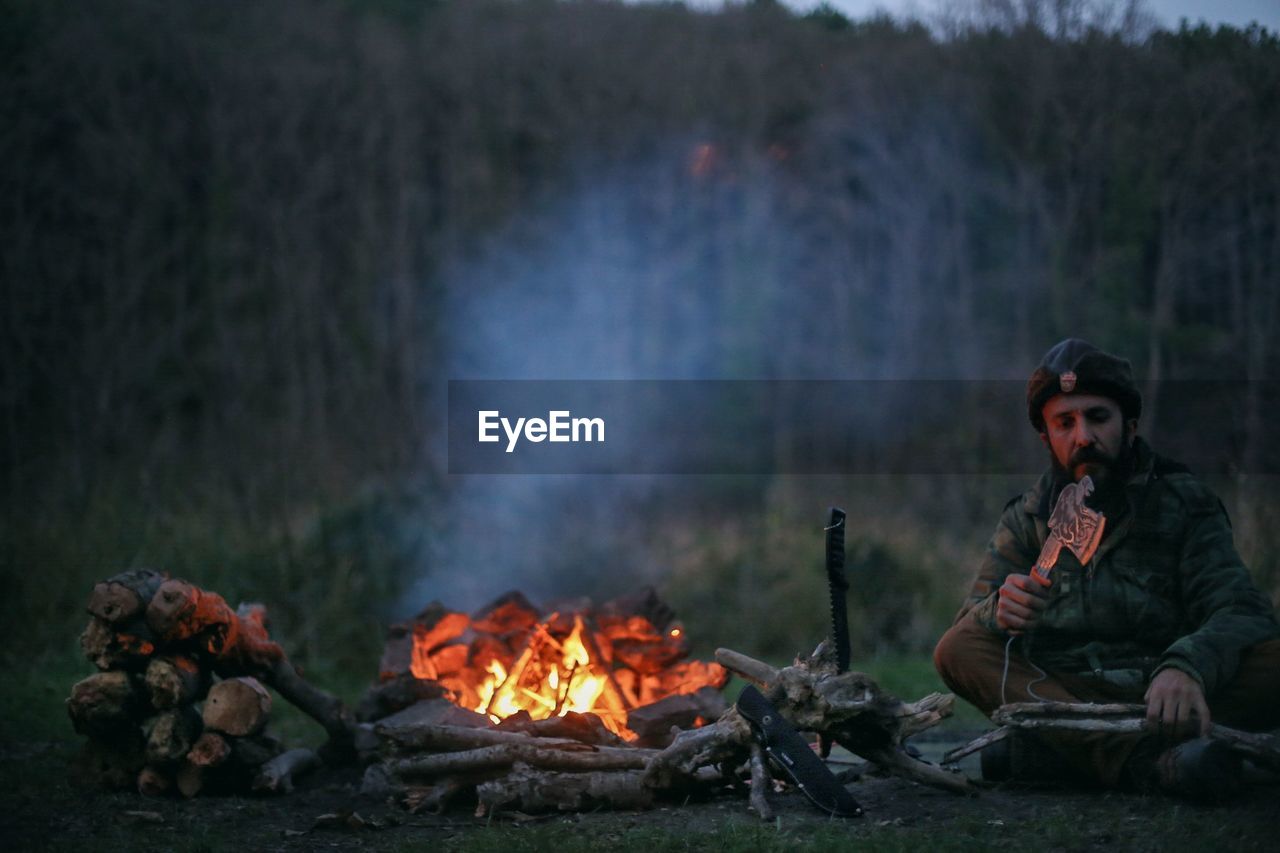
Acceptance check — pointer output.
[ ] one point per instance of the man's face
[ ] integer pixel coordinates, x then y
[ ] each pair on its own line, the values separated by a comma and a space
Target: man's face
1086, 434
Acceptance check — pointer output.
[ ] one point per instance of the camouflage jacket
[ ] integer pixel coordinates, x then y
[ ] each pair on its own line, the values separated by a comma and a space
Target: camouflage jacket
1165, 587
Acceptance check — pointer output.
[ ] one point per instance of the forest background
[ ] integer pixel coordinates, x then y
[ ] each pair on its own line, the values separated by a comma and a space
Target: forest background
244, 247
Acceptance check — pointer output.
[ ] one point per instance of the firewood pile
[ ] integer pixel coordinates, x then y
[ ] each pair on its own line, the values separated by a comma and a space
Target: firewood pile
179, 702
432, 732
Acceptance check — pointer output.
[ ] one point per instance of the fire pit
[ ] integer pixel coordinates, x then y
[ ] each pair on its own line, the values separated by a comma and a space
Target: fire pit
622, 666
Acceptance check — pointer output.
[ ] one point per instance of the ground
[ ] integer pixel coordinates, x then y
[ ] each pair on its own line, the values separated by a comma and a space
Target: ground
48, 813
40, 809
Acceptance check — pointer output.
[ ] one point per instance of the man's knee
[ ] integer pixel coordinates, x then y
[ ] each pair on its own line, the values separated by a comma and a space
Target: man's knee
956, 651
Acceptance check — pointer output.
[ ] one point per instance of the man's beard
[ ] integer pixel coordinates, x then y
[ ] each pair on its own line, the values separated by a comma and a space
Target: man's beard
1109, 475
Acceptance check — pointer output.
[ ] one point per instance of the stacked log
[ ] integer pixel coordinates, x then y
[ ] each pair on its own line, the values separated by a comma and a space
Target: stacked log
178, 704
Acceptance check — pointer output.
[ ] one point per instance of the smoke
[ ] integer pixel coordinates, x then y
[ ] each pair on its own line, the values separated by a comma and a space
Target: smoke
703, 261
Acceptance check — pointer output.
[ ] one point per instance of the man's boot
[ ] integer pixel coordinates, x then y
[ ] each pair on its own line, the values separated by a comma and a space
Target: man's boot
1202, 770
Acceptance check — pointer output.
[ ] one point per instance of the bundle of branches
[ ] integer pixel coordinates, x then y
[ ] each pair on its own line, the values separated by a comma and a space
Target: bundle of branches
431, 760
179, 702
1120, 718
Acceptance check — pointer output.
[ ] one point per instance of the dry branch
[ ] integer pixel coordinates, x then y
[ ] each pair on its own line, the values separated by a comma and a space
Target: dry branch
1262, 749
760, 783
505, 755
851, 709
443, 738
531, 790
727, 741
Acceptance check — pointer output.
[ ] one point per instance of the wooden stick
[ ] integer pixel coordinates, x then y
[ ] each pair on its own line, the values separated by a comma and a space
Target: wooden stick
898, 762
760, 783
325, 708
532, 790
726, 741
440, 738
1078, 709
976, 744
748, 667
505, 755
1262, 749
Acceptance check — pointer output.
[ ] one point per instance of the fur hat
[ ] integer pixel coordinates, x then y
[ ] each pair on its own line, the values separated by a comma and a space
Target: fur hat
1074, 366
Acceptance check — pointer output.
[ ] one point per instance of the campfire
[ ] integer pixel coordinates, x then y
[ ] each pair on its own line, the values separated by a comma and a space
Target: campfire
622, 666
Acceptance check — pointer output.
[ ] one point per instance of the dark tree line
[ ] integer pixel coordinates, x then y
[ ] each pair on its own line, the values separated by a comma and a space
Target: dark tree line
242, 245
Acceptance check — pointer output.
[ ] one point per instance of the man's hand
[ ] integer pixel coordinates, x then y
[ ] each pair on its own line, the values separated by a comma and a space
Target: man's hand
1172, 698
1022, 600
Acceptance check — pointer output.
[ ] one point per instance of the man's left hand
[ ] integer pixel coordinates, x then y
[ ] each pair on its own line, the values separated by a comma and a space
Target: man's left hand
1172, 699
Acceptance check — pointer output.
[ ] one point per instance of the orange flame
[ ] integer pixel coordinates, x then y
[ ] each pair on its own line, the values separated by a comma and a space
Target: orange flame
571, 683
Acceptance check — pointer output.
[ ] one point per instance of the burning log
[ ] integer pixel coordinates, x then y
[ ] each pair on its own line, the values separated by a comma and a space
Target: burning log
561, 687
277, 775
409, 646
584, 728
653, 722
237, 706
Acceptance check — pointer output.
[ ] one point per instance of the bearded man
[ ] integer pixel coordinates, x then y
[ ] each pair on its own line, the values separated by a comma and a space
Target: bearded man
1163, 611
